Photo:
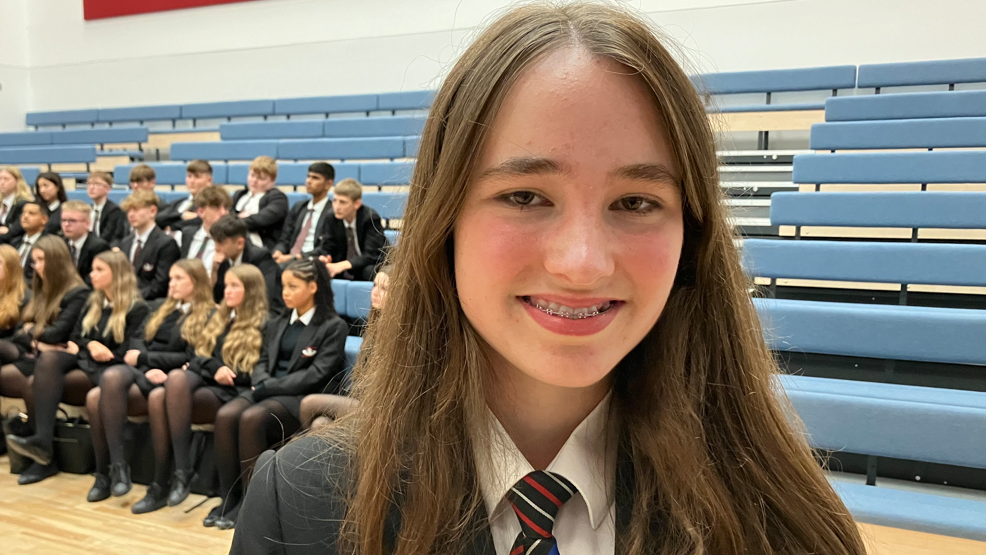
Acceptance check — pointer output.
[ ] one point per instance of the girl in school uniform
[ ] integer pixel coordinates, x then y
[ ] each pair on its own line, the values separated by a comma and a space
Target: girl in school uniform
126, 389
569, 361
101, 337
58, 296
14, 296
14, 193
223, 357
304, 351
50, 190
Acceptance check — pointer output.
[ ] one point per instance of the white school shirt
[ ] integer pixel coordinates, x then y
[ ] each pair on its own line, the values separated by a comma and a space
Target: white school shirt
586, 524
93, 219
143, 242
309, 245
248, 205
305, 318
27, 244
7, 201
210, 249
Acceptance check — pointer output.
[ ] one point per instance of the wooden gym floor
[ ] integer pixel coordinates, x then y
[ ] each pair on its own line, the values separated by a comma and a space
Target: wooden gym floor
53, 518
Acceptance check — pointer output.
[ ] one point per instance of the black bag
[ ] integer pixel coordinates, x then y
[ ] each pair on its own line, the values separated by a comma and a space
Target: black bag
16, 424
203, 455
73, 446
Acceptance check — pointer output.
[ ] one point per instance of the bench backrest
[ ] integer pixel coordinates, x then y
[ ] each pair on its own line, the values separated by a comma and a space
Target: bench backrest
48, 155
926, 209
777, 80
936, 72
891, 167
948, 104
905, 133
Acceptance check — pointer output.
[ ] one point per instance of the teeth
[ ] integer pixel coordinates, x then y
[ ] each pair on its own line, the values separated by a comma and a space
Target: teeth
563, 311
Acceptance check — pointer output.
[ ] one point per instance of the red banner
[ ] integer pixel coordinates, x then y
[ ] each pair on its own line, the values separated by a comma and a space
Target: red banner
103, 9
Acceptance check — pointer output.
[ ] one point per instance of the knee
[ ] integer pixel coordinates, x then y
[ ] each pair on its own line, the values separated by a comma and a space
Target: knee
177, 378
92, 400
253, 418
115, 377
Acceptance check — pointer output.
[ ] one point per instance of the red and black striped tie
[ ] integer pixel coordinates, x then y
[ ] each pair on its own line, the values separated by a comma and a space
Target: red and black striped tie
536, 499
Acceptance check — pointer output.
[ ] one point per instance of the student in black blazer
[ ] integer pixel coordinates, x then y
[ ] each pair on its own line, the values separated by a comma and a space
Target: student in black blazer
34, 218
262, 207
180, 214
14, 296
357, 259
303, 353
107, 220
233, 249
50, 190
14, 192
83, 246
151, 250
309, 216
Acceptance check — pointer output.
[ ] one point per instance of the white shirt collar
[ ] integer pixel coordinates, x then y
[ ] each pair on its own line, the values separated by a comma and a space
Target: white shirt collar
305, 318
98, 206
80, 241
9, 200
239, 259
32, 238
54, 206
588, 460
351, 224
183, 307
143, 236
106, 304
320, 205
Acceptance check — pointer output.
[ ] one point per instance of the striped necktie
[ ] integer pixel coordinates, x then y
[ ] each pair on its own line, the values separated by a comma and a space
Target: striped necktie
536, 499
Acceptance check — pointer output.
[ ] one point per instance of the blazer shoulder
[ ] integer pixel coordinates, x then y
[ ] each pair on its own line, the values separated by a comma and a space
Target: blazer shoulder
95, 243
315, 468
276, 194
80, 292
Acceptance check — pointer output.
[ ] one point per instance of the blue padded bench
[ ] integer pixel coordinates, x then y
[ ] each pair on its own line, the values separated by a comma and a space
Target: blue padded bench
386, 173
140, 113
223, 150
358, 299
63, 117
292, 173
236, 108
904, 133
48, 155
778, 80
951, 104
30, 175
171, 196
116, 195
353, 345
339, 289
27, 138
340, 149
927, 209
326, 104
295, 198
99, 136
168, 173
937, 72
892, 167
389, 205
298, 129
406, 100
374, 127
411, 145
392, 235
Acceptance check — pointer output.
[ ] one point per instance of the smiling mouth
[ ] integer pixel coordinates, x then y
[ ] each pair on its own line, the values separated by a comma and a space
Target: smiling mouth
562, 311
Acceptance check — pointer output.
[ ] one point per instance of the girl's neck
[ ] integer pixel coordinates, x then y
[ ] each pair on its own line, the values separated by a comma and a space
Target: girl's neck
303, 309
109, 298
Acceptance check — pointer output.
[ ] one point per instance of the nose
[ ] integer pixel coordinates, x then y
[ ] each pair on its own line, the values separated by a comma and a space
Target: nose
578, 248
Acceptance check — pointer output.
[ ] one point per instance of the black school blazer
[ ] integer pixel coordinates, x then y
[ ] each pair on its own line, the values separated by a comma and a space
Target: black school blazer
154, 262
13, 223
318, 359
113, 225
94, 245
267, 222
166, 350
135, 319
69, 311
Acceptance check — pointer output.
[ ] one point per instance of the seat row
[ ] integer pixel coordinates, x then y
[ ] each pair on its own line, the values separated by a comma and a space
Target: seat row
299, 149
288, 173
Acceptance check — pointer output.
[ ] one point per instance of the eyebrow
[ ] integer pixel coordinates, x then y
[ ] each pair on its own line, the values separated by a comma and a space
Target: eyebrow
522, 166
657, 173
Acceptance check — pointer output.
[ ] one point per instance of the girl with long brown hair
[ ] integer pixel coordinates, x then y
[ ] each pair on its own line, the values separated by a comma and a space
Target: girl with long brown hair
49, 189
14, 192
569, 361
222, 357
99, 340
13, 293
127, 389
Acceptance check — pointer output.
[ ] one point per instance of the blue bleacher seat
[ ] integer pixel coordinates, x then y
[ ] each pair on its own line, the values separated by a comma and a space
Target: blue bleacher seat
340, 149
27, 138
773, 81
48, 155
411, 145
235, 108
928, 209
168, 173
374, 127
339, 289
949, 104
171, 196
358, 299
407, 100
30, 175
937, 72
99, 135
392, 235
140, 113
353, 345
388, 205
78, 194
223, 150
292, 173
295, 198
386, 173
63, 117
891, 167
326, 104
789, 107
904, 133
298, 129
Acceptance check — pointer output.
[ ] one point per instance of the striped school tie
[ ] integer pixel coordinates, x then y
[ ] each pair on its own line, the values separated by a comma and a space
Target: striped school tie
536, 499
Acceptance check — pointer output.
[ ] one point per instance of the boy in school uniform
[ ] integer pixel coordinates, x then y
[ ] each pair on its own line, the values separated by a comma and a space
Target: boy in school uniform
107, 220
353, 240
34, 218
143, 178
233, 248
262, 207
211, 203
150, 250
303, 229
181, 214
82, 245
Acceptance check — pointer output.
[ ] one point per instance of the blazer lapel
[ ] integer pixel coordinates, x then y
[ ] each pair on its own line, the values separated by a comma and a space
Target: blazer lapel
276, 345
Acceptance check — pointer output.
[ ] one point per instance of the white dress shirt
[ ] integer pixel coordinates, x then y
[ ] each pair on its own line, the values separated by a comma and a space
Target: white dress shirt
586, 524
248, 205
97, 213
54, 206
305, 318
143, 241
210, 249
185, 205
26, 245
309, 245
8, 202
352, 225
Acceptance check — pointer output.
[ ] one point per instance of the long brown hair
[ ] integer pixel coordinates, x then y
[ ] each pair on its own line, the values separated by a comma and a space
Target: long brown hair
12, 289
202, 303
60, 277
716, 466
241, 350
123, 291
23, 190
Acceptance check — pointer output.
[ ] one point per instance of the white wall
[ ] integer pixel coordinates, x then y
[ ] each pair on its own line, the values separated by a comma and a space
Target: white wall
279, 48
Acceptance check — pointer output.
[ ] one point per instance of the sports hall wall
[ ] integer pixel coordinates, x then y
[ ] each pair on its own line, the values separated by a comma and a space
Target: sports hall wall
50, 58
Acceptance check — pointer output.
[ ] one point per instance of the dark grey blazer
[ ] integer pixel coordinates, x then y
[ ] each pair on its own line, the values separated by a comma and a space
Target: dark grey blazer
293, 506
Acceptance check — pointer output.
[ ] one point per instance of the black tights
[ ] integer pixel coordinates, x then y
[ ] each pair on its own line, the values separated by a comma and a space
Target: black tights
185, 402
109, 405
56, 379
13, 382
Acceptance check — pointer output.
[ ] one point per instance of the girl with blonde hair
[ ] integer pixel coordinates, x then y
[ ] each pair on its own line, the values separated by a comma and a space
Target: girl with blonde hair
14, 192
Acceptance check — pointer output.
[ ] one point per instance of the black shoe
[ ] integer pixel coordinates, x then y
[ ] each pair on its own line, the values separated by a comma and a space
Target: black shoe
120, 474
214, 515
180, 481
31, 448
37, 472
228, 520
152, 501
100, 490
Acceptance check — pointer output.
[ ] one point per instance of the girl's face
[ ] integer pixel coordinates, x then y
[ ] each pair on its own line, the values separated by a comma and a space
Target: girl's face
297, 293
7, 183
234, 291
48, 190
569, 237
180, 284
101, 275
38, 260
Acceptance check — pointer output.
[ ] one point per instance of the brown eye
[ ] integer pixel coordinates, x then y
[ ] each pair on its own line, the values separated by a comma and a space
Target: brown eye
634, 204
522, 198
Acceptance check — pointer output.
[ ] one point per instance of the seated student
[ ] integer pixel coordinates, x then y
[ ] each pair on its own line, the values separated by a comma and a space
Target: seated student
211, 204
34, 218
223, 355
107, 221
353, 241
14, 296
232, 249
82, 245
143, 178
150, 250
14, 192
262, 207
49, 189
304, 225
127, 389
180, 214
